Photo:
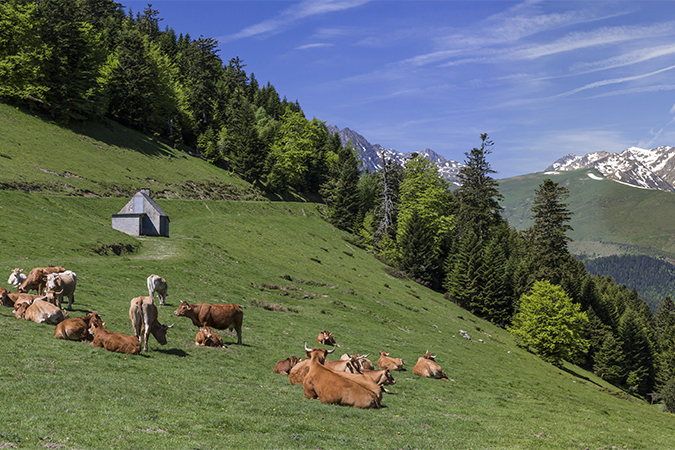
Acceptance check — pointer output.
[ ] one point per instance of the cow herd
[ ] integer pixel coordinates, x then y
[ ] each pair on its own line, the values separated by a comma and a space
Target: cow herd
54, 283
352, 380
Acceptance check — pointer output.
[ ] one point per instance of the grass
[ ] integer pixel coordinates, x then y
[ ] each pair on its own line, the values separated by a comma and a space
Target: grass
259, 254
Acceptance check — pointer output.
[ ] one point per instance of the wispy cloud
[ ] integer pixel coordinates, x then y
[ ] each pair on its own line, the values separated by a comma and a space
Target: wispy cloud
312, 46
295, 13
626, 59
601, 83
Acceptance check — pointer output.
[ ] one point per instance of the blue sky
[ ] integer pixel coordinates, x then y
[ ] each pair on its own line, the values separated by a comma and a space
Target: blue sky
542, 78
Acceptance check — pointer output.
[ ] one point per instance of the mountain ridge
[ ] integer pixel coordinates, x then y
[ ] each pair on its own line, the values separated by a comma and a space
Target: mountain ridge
371, 154
645, 168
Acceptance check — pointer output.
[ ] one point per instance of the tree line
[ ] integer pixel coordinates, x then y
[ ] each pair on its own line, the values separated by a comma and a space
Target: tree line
88, 59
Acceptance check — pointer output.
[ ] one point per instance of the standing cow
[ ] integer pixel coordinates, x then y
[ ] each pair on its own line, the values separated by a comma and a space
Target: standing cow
37, 279
157, 284
218, 316
143, 315
63, 284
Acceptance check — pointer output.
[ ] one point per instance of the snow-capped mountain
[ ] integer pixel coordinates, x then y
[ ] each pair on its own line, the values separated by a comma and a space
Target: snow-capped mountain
371, 155
651, 169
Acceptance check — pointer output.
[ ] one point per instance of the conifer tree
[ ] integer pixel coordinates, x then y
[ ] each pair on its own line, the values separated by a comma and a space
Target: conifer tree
478, 195
462, 282
341, 191
492, 301
638, 352
609, 361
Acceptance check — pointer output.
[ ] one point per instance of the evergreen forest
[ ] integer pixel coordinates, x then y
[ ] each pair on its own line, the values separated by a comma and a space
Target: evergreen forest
77, 60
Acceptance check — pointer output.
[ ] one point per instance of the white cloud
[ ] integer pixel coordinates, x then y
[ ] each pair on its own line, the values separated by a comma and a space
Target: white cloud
312, 46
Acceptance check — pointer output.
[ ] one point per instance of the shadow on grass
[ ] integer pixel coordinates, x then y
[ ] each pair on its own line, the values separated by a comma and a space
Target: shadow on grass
173, 352
578, 375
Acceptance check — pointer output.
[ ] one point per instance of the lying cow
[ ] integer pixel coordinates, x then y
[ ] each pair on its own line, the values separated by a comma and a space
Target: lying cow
157, 284
16, 277
284, 367
77, 328
114, 342
382, 377
385, 362
364, 362
12, 298
347, 363
143, 315
207, 338
40, 311
427, 367
218, 316
326, 338
63, 284
298, 372
332, 387
37, 279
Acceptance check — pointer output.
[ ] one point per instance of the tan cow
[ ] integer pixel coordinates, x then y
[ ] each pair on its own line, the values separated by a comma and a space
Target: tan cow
63, 284
218, 316
143, 314
385, 362
40, 311
326, 338
284, 367
12, 298
77, 328
114, 342
37, 279
207, 338
298, 372
332, 387
427, 367
382, 377
364, 362
347, 363
157, 284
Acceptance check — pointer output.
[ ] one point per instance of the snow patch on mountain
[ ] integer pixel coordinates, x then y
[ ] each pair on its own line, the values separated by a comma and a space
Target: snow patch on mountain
638, 167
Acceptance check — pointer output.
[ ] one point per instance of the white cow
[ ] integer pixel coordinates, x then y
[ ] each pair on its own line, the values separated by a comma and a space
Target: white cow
63, 285
157, 284
16, 278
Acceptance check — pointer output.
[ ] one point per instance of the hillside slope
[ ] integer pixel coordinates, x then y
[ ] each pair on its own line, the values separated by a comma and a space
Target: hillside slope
104, 160
609, 217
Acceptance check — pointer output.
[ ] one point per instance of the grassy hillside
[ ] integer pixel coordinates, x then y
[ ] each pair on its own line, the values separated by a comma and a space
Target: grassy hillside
295, 275
609, 217
283, 256
103, 160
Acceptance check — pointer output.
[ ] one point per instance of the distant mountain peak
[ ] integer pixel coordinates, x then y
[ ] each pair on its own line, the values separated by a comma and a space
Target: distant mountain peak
646, 168
371, 154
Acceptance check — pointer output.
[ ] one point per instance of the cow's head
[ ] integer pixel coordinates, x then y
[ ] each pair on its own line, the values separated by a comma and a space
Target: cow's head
384, 353
183, 309
388, 378
318, 353
294, 360
428, 355
20, 311
94, 327
52, 281
160, 333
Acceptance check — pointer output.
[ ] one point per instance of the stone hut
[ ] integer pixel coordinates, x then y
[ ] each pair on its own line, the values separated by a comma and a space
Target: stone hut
141, 216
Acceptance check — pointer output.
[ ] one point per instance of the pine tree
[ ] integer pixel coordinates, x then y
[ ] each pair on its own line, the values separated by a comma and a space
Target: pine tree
462, 282
609, 361
638, 352
548, 234
479, 193
416, 247
341, 191
492, 301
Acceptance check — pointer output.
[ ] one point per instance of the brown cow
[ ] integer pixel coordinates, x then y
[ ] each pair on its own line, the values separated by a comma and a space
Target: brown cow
382, 377
143, 315
77, 328
298, 372
40, 311
385, 362
364, 362
427, 367
284, 367
350, 365
37, 279
114, 342
11, 298
326, 338
208, 338
332, 387
218, 316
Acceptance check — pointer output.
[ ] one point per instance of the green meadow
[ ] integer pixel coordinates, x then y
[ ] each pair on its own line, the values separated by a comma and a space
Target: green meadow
295, 275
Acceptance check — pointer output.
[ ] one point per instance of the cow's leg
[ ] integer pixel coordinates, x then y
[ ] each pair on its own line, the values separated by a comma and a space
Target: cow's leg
71, 300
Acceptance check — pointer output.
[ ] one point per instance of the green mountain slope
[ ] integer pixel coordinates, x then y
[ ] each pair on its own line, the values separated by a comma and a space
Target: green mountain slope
295, 275
609, 217
104, 160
